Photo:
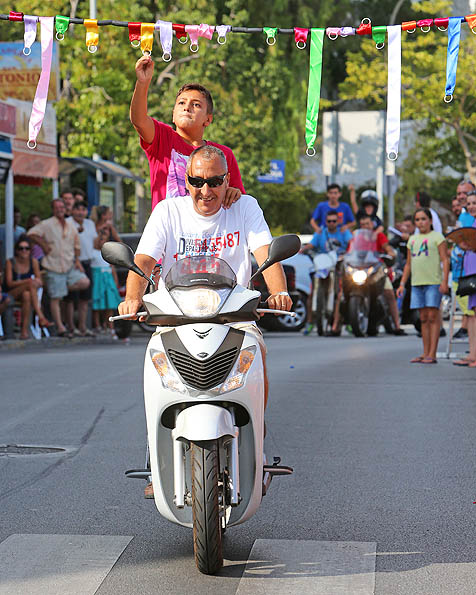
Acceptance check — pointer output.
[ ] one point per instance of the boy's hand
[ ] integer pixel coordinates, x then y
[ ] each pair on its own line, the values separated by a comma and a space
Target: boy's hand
144, 69
231, 196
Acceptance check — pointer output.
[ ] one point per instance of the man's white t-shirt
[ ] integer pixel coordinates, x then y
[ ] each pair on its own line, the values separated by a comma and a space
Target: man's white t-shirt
175, 231
86, 237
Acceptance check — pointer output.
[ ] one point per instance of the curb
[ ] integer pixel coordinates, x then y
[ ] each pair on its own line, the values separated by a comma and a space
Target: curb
57, 342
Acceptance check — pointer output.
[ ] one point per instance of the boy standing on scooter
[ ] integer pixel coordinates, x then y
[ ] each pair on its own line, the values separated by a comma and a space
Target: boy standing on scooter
167, 149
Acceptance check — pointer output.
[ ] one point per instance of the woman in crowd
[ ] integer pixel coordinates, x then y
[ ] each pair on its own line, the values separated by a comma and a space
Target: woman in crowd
102, 217
426, 253
470, 269
22, 280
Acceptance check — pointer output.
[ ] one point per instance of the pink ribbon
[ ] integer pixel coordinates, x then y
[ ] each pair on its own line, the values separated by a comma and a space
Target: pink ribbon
41, 95
192, 31
333, 32
206, 31
300, 36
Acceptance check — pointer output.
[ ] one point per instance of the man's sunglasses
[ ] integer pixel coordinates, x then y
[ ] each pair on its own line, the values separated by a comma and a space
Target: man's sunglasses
23, 248
332, 221
212, 182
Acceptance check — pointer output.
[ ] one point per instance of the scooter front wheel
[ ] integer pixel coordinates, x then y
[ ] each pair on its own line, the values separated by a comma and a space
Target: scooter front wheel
358, 315
207, 530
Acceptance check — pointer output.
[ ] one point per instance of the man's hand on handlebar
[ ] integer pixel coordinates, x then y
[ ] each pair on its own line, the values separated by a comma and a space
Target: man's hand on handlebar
279, 302
130, 307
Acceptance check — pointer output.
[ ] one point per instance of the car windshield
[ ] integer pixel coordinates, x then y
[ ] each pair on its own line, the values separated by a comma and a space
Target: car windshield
200, 270
362, 248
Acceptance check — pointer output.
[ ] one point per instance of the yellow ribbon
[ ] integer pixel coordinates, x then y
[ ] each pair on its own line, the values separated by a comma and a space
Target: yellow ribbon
92, 34
146, 37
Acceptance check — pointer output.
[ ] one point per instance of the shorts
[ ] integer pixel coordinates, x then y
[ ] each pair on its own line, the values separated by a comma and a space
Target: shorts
58, 284
462, 301
425, 296
84, 294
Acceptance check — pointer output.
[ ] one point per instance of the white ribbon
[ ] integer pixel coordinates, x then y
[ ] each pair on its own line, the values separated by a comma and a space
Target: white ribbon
30, 33
222, 31
165, 29
394, 96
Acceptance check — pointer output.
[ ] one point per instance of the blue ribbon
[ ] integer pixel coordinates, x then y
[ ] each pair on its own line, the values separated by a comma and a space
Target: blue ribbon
454, 35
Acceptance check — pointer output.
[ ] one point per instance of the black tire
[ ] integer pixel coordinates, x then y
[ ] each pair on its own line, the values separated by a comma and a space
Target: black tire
321, 310
358, 315
207, 530
123, 328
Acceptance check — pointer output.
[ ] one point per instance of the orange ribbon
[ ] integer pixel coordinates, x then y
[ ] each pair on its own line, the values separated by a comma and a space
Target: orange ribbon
471, 20
409, 26
146, 37
92, 34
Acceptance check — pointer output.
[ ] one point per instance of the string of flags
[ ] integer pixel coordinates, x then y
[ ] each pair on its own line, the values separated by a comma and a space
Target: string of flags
141, 35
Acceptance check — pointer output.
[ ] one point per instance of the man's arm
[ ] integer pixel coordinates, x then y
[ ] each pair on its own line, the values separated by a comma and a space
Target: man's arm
136, 285
42, 243
142, 122
389, 250
275, 281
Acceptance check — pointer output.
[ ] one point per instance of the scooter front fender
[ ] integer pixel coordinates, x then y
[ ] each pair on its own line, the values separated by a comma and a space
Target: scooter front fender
203, 422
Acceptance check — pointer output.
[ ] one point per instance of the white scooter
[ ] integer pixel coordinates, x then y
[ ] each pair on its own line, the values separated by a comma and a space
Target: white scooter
204, 397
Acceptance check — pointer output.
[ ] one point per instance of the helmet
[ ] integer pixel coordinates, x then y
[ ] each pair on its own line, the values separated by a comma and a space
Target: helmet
369, 197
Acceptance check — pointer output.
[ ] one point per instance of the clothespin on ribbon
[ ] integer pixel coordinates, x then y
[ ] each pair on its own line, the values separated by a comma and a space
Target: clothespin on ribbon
61, 25
134, 34
425, 24
365, 27
314, 89
30, 33
165, 31
92, 35
41, 95
180, 32
146, 37
394, 93
270, 33
300, 37
222, 32
378, 35
409, 26
15, 16
454, 36
441, 23
471, 20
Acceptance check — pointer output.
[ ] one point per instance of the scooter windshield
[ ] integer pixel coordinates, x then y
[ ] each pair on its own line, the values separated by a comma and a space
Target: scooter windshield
196, 271
362, 249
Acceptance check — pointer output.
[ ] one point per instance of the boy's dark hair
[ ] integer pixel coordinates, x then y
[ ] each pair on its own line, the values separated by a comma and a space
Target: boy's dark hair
66, 191
363, 215
78, 192
79, 203
332, 186
408, 218
201, 89
423, 198
332, 212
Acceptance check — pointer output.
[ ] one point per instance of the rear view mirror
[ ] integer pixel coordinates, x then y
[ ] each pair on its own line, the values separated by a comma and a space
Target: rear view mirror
121, 255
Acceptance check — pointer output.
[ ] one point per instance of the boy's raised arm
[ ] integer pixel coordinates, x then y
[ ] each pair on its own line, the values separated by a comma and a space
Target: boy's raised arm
143, 123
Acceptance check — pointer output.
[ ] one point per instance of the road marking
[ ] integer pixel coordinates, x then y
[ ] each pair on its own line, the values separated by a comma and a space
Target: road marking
57, 564
311, 567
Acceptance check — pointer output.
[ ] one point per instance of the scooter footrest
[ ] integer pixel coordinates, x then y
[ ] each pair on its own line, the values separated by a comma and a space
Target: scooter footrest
277, 469
138, 474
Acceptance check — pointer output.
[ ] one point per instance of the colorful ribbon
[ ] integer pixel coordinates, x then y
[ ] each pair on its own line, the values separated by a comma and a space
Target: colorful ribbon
441, 23
300, 37
146, 37
425, 24
365, 28
92, 35
165, 30
30, 33
314, 89
471, 20
134, 34
378, 35
270, 33
333, 32
346, 31
394, 96
222, 31
15, 16
179, 32
454, 36
61, 24
41, 95
192, 31
409, 26
206, 31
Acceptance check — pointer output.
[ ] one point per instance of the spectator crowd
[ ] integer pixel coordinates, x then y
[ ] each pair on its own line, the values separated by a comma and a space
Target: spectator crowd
57, 272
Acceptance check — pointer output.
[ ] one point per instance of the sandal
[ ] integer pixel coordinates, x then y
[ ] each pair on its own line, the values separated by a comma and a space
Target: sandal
428, 360
65, 335
462, 362
472, 365
417, 360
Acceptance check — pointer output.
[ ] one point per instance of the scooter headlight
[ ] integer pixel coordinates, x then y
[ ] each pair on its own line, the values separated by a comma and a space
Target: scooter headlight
359, 277
169, 377
199, 302
236, 378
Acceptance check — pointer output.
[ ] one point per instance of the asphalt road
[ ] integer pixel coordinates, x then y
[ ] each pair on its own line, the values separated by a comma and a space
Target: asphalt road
383, 452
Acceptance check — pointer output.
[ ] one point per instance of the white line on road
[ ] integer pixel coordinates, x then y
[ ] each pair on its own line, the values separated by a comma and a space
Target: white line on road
57, 564
285, 567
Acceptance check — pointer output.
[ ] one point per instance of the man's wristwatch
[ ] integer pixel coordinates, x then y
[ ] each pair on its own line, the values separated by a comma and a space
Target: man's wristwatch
282, 293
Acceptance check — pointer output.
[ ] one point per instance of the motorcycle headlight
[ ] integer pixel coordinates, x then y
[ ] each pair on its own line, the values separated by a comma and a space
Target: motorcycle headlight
359, 277
200, 302
169, 377
237, 376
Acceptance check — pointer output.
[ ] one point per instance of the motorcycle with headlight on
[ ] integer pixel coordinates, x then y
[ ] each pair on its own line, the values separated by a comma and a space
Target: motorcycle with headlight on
364, 305
204, 397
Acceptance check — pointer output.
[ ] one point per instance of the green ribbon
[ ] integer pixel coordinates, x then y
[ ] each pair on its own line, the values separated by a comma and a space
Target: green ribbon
62, 24
379, 34
314, 88
271, 32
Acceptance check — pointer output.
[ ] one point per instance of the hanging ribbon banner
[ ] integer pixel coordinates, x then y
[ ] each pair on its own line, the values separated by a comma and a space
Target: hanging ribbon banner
192, 31
92, 35
378, 35
471, 20
30, 33
442, 23
146, 37
41, 95
454, 36
314, 89
300, 37
222, 32
180, 32
365, 27
165, 30
270, 33
394, 96
346, 31
134, 34
61, 24
15, 16
409, 26
425, 24
206, 31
